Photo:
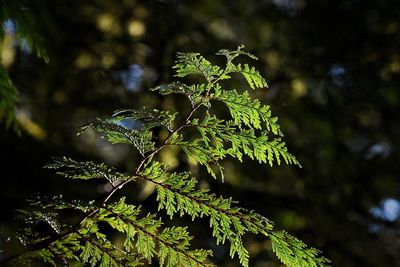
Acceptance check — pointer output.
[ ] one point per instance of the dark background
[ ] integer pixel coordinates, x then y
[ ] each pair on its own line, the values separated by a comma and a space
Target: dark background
333, 73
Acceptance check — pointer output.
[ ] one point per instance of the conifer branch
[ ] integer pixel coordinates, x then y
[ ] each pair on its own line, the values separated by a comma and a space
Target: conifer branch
162, 241
177, 193
167, 139
84, 170
247, 111
87, 253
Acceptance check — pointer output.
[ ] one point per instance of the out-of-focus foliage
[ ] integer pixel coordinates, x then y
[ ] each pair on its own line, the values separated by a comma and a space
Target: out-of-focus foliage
17, 19
333, 74
8, 100
17, 28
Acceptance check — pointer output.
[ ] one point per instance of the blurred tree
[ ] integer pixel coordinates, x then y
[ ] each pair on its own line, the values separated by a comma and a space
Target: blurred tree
17, 29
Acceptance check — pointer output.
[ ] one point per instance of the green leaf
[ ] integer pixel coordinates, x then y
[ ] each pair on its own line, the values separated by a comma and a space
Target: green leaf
177, 194
27, 259
171, 245
59, 203
149, 117
193, 92
248, 111
252, 76
36, 216
67, 247
201, 153
232, 54
145, 239
194, 63
261, 148
294, 253
117, 134
97, 250
226, 138
72, 169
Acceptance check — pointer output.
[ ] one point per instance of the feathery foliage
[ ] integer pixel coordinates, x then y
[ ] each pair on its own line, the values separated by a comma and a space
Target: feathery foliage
247, 111
252, 131
84, 170
177, 193
117, 134
150, 118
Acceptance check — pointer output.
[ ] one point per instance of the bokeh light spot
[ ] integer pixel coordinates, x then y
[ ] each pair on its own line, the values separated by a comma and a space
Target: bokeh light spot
85, 60
132, 77
136, 28
388, 210
31, 127
299, 88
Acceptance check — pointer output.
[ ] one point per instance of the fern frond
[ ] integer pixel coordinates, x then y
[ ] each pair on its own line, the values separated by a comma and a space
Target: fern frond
228, 139
294, 253
145, 238
193, 92
34, 217
28, 259
178, 237
87, 245
232, 54
97, 250
149, 117
260, 148
201, 153
194, 63
58, 203
144, 241
117, 134
170, 245
44, 211
73, 169
177, 193
252, 76
248, 111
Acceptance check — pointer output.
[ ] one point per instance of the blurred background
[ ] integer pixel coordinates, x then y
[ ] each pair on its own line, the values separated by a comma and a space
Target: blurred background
333, 73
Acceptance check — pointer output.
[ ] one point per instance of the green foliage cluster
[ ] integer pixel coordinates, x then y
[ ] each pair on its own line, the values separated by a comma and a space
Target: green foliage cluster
25, 31
252, 131
26, 36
